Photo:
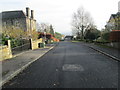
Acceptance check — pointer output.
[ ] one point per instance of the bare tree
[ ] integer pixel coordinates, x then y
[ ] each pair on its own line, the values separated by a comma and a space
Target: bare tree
44, 27
81, 21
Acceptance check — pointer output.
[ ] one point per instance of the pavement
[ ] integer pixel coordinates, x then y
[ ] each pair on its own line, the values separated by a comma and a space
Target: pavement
12, 67
69, 65
110, 52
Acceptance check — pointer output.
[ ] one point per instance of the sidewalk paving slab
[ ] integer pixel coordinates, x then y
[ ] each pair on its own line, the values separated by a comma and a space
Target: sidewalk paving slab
15, 65
111, 52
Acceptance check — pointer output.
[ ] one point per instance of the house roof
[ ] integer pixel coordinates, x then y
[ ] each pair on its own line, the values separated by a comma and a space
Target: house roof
68, 36
13, 14
118, 13
113, 15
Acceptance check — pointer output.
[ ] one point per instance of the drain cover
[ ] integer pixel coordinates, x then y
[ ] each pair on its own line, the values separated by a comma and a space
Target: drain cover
72, 67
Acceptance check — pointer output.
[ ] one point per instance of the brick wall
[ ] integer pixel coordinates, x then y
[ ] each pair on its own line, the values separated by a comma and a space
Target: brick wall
115, 36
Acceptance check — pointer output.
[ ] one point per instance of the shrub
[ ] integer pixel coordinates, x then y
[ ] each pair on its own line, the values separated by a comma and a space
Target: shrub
105, 36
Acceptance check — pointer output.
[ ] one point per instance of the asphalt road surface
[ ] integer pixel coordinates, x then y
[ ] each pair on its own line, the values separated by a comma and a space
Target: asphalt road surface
69, 65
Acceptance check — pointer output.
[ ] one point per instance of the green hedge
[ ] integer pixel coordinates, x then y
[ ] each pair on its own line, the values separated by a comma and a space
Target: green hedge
14, 42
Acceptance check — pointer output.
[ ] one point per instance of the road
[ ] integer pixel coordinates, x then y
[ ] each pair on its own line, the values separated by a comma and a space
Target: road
69, 65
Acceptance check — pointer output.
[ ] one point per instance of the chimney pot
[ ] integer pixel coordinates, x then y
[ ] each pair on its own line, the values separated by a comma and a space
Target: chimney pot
27, 12
32, 14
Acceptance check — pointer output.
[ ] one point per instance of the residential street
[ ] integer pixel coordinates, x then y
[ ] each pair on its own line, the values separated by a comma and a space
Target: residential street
69, 65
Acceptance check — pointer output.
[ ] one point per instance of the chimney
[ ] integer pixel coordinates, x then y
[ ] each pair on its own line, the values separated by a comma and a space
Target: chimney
119, 6
27, 12
32, 14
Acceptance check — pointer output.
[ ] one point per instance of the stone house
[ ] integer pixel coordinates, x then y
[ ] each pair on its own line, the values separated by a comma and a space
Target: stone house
19, 19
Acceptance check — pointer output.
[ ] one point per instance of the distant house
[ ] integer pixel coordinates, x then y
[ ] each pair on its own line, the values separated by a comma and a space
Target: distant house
19, 19
114, 21
68, 37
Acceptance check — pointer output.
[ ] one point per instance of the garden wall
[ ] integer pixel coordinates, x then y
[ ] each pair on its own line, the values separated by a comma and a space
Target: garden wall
35, 43
5, 51
114, 44
115, 39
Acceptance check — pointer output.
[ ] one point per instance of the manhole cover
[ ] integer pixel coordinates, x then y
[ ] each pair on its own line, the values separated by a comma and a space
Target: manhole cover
72, 67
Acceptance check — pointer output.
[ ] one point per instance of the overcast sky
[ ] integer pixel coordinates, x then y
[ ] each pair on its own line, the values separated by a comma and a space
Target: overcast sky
59, 12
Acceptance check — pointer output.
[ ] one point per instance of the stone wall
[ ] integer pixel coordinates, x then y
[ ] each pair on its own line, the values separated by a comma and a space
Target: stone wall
114, 44
31, 24
5, 51
16, 22
28, 24
25, 24
35, 43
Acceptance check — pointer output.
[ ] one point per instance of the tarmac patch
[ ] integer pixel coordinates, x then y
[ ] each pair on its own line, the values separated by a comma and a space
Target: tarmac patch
72, 67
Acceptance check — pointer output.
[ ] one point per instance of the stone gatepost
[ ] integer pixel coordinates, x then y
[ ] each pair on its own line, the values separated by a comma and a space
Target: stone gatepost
10, 49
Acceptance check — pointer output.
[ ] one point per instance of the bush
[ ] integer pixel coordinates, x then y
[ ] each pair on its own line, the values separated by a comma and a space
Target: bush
4, 40
15, 42
92, 35
105, 36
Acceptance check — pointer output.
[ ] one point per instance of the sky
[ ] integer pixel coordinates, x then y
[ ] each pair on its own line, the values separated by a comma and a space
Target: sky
59, 12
